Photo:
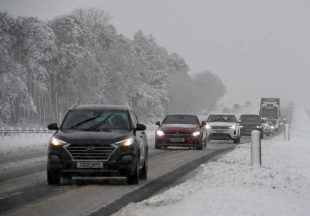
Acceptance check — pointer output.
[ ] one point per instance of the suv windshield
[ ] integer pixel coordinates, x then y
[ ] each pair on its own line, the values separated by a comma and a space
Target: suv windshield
250, 118
97, 120
221, 118
180, 119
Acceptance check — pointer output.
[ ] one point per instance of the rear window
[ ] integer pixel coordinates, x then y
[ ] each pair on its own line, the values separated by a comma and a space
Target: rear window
180, 119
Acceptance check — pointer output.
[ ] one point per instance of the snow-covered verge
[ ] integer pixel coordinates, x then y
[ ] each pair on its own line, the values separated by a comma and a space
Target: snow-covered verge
23, 143
230, 186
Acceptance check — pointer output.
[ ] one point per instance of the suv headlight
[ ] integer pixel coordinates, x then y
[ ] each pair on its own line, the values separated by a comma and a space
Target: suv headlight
57, 142
208, 126
196, 133
160, 133
126, 142
232, 127
258, 126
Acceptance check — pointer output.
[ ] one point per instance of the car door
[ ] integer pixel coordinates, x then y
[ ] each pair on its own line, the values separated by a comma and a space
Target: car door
141, 139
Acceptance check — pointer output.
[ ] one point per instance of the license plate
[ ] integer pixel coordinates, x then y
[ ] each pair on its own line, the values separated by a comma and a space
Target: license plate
89, 164
177, 139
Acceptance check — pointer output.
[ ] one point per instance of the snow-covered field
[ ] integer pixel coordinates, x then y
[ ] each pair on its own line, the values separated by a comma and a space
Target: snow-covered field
23, 143
230, 186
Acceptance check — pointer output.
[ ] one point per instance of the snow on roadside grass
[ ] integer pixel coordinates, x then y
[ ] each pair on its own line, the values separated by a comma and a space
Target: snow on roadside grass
230, 186
23, 143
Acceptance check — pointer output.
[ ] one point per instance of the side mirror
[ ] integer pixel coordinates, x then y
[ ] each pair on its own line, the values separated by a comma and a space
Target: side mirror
157, 123
140, 127
52, 126
203, 123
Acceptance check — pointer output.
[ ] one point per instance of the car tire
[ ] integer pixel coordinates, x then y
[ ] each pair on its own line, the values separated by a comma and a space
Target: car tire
200, 147
133, 178
52, 178
157, 146
143, 173
237, 140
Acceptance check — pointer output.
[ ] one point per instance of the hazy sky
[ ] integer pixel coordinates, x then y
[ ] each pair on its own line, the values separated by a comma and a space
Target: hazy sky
259, 48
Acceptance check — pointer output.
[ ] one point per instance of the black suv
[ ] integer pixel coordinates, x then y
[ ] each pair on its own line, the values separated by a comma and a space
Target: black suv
98, 140
250, 122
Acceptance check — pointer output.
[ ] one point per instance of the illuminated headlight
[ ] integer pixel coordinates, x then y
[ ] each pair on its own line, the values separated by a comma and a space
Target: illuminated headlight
57, 142
272, 127
126, 142
208, 126
232, 127
241, 126
196, 133
258, 126
160, 133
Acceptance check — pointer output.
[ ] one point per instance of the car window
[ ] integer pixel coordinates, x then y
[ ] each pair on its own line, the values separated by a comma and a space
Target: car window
97, 119
221, 118
180, 119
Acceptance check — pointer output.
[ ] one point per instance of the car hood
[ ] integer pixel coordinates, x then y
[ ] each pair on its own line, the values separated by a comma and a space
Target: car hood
179, 127
226, 124
95, 137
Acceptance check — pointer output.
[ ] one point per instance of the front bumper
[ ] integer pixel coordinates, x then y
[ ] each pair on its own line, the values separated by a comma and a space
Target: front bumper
187, 141
247, 131
222, 134
121, 162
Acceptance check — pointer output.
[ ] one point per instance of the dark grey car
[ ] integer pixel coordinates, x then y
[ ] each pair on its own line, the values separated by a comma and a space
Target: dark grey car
98, 140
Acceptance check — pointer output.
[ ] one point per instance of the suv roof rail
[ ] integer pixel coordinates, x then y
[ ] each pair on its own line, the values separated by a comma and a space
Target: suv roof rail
74, 106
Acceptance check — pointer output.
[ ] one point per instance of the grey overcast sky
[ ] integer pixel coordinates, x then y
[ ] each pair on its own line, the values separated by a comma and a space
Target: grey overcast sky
259, 48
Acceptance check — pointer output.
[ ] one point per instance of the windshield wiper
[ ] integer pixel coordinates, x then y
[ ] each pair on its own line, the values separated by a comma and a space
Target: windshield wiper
217, 120
84, 121
101, 123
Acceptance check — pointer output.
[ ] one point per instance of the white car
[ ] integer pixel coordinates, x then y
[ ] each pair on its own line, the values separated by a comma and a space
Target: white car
223, 127
269, 128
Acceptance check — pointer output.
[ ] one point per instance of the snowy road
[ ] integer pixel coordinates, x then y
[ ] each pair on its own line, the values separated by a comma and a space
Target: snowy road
24, 191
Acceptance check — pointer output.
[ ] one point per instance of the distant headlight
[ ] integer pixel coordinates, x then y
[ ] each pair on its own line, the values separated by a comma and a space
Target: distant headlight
196, 133
208, 126
160, 133
57, 142
241, 126
232, 127
126, 142
272, 127
258, 126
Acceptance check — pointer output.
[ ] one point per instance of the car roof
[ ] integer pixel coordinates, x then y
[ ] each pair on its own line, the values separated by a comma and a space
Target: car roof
181, 114
101, 107
222, 114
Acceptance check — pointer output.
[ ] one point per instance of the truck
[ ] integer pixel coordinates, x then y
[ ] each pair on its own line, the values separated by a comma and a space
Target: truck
270, 109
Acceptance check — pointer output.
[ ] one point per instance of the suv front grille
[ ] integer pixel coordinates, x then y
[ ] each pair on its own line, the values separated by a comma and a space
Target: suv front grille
177, 134
220, 127
90, 152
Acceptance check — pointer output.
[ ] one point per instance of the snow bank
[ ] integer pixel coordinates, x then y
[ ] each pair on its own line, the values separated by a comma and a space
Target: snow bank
230, 186
23, 143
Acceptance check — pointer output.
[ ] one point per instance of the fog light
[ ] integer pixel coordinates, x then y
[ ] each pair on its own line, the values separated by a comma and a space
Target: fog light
127, 158
53, 157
